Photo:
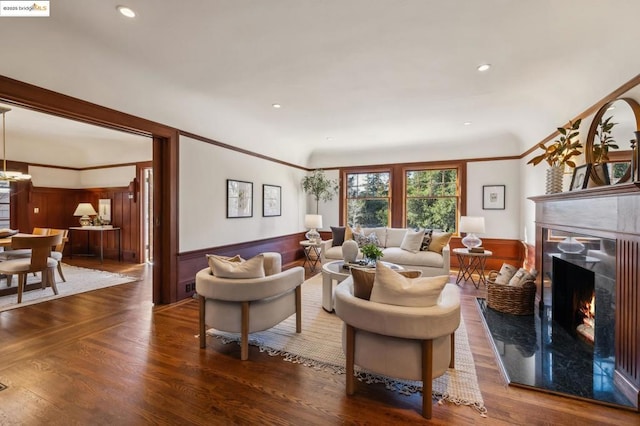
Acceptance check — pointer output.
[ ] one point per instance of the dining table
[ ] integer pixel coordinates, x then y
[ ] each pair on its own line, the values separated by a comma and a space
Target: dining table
4, 290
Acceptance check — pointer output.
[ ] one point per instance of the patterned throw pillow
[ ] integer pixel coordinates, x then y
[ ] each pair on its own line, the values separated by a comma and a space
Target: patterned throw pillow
426, 240
363, 240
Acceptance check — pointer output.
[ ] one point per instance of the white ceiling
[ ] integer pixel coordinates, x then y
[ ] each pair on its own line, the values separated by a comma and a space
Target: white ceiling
396, 77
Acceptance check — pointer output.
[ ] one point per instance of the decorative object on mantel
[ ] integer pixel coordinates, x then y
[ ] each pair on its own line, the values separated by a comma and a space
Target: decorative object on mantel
558, 155
319, 187
603, 136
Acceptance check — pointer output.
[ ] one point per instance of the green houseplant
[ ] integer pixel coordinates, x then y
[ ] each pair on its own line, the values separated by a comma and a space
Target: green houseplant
558, 154
371, 252
603, 133
319, 186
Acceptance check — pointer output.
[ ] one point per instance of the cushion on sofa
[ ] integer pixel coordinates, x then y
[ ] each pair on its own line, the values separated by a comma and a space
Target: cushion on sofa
235, 258
363, 280
395, 236
439, 240
223, 268
391, 288
337, 234
363, 239
406, 258
381, 234
426, 240
412, 241
348, 233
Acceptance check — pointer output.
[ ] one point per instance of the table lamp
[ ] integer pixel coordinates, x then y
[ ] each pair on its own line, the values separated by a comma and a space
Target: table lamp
313, 222
84, 210
471, 225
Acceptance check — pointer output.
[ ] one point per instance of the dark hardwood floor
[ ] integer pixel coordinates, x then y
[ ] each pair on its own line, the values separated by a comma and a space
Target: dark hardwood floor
109, 357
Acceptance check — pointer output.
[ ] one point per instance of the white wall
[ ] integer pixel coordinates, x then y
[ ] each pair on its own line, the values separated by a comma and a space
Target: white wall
498, 223
50, 177
203, 172
330, 210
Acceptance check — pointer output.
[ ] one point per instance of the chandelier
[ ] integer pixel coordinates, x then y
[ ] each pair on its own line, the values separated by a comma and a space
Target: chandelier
4, 174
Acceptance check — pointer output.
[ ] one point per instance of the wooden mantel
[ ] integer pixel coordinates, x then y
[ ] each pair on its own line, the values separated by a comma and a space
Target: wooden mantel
606, 212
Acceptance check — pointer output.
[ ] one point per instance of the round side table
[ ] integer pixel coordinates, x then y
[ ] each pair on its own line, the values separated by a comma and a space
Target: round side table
471, 263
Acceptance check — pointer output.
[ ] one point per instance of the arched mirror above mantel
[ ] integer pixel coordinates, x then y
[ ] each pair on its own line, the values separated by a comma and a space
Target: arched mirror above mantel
625, 113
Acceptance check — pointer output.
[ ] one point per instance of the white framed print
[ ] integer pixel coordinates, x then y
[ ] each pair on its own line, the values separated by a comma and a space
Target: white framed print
493, 197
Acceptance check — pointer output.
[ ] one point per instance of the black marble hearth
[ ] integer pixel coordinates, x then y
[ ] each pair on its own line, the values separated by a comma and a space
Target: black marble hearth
536, 352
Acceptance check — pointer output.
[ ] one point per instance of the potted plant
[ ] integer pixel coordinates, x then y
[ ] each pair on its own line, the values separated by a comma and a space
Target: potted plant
371, 252
558, 155
319, 186
603, 133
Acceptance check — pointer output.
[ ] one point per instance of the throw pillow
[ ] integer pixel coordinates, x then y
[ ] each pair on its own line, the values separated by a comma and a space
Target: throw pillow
393, 289
412, 241
252, 268
235, 258
522, 276
426, 240
363, 239
439, 240
363, 280
337, 233
505, 274
348, 233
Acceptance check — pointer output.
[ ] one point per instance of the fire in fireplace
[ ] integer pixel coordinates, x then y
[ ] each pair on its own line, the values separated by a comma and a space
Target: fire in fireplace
587, 328
573, 289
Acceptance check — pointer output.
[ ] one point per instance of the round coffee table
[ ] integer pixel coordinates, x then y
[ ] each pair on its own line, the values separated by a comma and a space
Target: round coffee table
335, 272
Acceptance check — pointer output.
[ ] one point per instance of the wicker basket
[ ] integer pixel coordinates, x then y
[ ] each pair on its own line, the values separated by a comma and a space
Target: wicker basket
510, 299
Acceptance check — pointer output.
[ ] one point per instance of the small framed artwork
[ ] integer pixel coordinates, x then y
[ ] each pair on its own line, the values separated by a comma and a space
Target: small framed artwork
239, 198
580, 177
493, 197
271, 200
599, 175
104, 210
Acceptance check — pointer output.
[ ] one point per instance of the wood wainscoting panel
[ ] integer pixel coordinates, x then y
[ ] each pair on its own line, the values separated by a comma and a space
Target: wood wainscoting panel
189, 263
504, 251
628, 318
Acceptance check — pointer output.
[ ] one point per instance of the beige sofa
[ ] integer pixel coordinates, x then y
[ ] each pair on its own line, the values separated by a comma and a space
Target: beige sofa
431, 263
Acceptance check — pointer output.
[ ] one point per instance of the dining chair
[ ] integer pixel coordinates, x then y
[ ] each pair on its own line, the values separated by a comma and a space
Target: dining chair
56, 253
39, 261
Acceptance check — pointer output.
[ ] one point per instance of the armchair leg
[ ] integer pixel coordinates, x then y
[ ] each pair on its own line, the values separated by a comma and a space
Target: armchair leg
244, 333
452, 363
203, 337
299, 309
22, 280
351, 349
51, 279
427, 377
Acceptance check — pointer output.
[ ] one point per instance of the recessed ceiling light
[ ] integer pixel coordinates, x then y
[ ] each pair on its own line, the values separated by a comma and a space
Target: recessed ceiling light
466, 123
329, 138
126, 11
484, 67
276, 105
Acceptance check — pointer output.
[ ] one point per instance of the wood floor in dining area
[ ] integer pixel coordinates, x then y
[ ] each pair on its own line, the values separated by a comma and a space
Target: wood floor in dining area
109, 357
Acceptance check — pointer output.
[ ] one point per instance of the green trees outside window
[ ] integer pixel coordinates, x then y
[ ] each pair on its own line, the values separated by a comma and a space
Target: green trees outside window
432, 199
368, 199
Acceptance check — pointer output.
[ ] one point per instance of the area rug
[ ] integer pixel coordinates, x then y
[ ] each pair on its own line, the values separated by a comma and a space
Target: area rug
320, 346
79, 280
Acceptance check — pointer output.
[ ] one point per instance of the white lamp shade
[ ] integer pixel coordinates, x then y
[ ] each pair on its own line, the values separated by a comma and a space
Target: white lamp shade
472, 224
313, 221
85, 209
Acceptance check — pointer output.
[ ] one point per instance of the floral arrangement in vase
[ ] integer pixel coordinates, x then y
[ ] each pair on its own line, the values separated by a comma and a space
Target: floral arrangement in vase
371, 252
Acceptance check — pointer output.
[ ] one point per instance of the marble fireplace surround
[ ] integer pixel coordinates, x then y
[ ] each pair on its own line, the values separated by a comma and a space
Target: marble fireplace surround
608, 212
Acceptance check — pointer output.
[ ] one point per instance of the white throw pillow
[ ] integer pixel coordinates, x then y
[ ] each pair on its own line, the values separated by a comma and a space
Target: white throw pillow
224, 268
522, 276
506, 273
393, 289
412, 241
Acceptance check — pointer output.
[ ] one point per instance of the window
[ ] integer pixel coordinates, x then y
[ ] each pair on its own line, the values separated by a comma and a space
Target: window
368, 199
432, 199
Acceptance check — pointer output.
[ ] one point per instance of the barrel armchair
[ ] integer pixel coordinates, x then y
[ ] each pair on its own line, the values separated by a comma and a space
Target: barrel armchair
404, 342
248, 305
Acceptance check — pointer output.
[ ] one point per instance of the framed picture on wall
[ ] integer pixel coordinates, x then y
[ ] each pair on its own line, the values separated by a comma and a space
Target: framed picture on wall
493, 197
104, 210
271, 200
239, 198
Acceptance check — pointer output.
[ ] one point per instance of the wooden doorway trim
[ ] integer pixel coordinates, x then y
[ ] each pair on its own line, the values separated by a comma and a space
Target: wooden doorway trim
165, 163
